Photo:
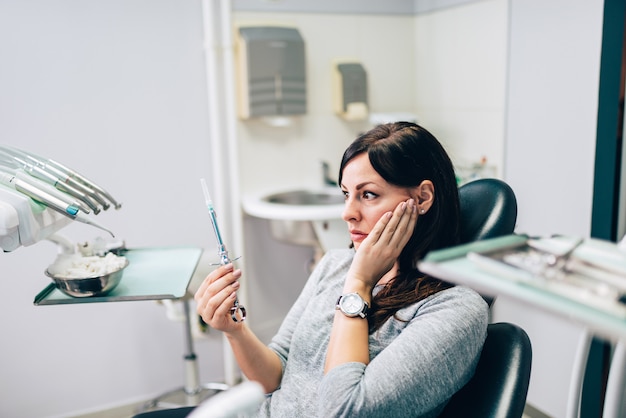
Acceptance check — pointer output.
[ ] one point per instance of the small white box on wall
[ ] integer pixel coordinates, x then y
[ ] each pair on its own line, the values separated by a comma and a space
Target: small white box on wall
350, 90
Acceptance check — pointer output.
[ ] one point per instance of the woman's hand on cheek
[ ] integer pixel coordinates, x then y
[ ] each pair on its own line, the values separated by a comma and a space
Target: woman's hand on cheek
379, 251
216, 296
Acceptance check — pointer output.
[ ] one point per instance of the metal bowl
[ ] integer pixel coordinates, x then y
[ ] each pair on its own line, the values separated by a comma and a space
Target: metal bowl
88, 286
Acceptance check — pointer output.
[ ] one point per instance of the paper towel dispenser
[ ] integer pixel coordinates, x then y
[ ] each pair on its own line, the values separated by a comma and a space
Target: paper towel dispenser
350, 80
271, 72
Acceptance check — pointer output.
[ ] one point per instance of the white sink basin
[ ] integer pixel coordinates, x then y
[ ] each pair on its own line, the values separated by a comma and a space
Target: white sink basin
296, 205
306, 198
302, 216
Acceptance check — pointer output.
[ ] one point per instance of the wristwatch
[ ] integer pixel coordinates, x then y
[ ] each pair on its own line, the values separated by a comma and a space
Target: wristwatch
352, 305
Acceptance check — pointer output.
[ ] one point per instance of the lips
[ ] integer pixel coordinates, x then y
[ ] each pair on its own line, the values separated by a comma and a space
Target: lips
357, 236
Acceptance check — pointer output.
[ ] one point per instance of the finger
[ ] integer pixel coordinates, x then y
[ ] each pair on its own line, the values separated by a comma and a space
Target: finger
376, 232
220, 304
223, 282
214, 294
406, 225
395, 224
406, 217
230, 296
212, 277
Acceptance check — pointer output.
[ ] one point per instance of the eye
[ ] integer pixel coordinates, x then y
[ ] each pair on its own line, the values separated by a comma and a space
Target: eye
345, 194
369, 195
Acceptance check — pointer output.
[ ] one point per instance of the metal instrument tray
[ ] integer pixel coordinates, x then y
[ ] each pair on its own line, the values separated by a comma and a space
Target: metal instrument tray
153, 274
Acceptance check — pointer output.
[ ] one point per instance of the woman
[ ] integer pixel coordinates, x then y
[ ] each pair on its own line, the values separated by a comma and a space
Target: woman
370, 335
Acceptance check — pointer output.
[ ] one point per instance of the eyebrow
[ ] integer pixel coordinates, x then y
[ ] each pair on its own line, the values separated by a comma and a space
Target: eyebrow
360, 185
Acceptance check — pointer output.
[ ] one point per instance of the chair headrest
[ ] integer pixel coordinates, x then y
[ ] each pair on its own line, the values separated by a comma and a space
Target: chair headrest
488, 209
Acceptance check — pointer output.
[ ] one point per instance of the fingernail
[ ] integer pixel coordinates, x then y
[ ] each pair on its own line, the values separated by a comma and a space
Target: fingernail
235, 285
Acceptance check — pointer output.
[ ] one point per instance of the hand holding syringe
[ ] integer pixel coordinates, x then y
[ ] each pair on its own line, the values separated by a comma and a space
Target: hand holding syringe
222, 252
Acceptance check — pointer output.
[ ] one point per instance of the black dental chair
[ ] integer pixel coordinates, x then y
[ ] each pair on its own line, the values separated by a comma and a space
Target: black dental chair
488, 209
499, 386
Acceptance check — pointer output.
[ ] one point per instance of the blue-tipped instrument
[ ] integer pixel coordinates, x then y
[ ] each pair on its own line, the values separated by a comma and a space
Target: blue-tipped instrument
221, 250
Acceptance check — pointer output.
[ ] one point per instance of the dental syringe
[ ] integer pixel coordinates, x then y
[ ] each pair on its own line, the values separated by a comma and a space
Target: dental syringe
222, 251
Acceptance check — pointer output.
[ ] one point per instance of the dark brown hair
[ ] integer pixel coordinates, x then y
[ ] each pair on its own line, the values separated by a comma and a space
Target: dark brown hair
405, 154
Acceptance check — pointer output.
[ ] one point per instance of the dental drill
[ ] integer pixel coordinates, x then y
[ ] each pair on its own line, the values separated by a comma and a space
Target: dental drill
52, 201
18, 161
61, 176
221, 251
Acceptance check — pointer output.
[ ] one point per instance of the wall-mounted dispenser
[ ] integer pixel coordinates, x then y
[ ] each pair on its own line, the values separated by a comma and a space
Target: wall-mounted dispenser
271, 72
350, 90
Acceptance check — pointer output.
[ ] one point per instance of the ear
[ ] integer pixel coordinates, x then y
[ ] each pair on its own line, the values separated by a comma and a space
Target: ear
424, 196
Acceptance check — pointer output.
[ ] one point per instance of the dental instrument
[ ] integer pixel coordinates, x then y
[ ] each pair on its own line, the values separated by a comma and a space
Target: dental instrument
63, 175
49, 200
37, 194
13, 159
78, 178
68, 198
221, 250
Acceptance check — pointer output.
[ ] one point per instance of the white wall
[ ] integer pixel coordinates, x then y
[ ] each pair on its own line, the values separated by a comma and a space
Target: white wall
552, 112
461, 79
274, 157
554, 64
116, 90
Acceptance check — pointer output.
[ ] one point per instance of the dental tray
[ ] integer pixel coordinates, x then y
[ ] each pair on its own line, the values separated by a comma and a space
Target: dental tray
592, 272
153, 273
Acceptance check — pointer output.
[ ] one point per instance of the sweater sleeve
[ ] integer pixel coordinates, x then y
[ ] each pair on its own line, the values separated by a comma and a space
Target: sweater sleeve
422, 367
281, 342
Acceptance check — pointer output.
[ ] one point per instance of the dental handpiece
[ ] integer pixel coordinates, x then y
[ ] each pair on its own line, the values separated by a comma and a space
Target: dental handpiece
222, 251
17, 159
49, 188
47, 199
64, 176
77, 177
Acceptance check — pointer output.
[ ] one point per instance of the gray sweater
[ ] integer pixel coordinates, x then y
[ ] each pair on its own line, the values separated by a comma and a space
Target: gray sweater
414, 368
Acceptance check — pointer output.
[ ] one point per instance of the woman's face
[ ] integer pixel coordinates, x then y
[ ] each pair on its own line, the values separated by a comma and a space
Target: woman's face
368, 197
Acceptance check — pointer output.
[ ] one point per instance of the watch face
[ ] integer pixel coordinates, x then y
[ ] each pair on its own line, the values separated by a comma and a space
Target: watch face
352, 304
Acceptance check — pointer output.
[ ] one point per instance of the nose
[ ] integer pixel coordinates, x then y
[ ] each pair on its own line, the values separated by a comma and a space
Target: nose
350, 210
